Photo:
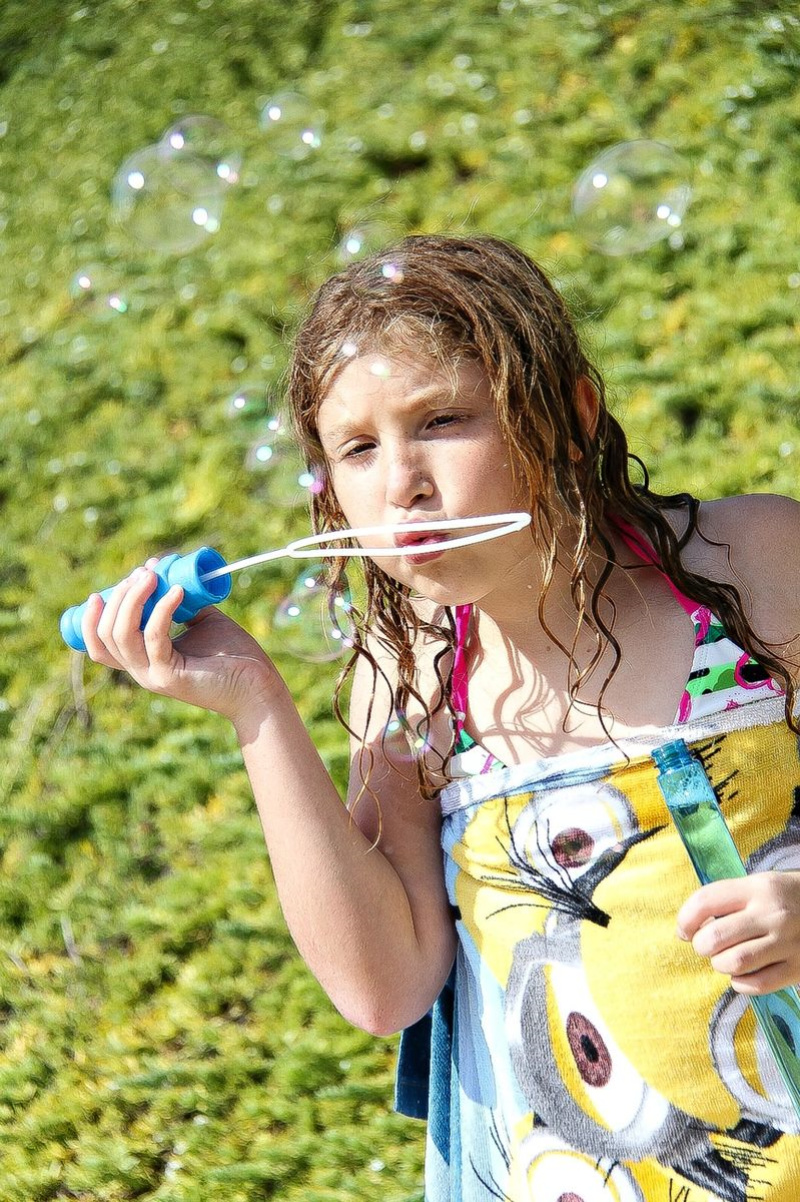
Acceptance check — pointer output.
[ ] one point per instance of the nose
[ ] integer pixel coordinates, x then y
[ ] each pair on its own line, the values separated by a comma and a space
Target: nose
408, 479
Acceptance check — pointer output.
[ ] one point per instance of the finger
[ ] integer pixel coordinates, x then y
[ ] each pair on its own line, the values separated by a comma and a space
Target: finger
95, 647
105, 627
158, 646
751, 956
728, 931
126, 629
712, 901
774, 976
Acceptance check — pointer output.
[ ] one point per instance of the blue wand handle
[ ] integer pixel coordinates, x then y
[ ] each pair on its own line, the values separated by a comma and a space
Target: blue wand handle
185, 570
701, 825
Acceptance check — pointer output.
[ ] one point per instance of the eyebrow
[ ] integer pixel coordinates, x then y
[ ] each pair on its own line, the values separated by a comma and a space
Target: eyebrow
416, 400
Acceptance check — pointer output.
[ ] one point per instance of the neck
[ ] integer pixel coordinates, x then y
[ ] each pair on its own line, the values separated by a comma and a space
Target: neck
512, 609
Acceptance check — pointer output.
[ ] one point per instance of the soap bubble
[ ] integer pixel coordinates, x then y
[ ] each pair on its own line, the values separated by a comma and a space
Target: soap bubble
633, 195
363, 238
93, 289
248, 404
206, 139
274, 454
295, 128
313, 627
402, 742
168, 203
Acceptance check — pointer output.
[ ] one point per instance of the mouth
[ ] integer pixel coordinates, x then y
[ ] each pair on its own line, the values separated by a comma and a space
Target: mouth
421, 539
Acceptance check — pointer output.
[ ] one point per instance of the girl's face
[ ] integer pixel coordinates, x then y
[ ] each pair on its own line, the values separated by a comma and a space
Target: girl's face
402, 444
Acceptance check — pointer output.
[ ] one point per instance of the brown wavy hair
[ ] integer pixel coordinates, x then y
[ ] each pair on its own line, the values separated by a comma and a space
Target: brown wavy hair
482, 299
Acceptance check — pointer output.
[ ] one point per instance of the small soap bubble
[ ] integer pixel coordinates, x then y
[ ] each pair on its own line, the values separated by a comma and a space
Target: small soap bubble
380, 368
313, 627
207, 139
169, 204
785, 449
262, 454
348, 349
363, 238
633, 195
401, 741
294, 127
275, 456
92, 287
393, 271
248, 403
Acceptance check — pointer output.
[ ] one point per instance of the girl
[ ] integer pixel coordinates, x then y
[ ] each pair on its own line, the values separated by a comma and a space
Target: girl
580, 1052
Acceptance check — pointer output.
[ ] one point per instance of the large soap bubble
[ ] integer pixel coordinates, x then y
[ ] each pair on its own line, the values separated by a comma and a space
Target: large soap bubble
311, 627
207, 139
293, 125
168, 203
633, 195
97, 290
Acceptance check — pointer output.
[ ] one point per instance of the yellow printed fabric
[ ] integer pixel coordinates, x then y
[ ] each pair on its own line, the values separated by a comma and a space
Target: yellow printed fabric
595, 1056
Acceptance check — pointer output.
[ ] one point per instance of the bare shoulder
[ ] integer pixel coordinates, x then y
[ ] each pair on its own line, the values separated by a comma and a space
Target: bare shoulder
761, 530
753, 541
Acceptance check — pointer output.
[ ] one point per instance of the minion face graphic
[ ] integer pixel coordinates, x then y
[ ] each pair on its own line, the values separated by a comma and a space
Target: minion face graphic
571, 1068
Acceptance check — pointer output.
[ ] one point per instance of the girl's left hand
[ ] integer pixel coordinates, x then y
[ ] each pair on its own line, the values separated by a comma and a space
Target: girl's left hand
748, 928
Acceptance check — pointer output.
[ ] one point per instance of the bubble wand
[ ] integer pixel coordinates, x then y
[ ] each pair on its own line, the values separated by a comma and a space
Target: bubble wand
204, 575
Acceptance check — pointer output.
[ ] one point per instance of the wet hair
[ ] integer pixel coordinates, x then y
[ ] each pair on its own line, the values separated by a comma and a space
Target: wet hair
481, 299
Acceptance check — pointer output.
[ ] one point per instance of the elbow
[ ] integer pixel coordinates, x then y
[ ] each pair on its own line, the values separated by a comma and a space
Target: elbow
375, 1018
382, 1013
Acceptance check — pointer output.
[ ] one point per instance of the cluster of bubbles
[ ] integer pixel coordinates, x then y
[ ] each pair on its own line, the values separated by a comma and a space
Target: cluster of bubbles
312, 625
271, 450
308, 626
169, 198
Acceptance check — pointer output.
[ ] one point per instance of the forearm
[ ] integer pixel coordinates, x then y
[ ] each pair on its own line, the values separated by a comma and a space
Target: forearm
345, 905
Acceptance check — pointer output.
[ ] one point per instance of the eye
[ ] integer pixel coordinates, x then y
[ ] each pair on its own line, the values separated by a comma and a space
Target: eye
358, 450
445, 419
564, 837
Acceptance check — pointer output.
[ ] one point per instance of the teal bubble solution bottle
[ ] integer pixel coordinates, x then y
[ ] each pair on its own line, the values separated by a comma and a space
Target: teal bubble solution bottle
701, 825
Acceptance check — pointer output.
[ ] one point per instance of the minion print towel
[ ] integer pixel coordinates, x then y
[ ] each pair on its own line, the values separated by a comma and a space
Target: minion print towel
594, 1056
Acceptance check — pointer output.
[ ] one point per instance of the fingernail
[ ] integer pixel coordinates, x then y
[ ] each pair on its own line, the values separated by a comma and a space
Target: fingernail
681, 934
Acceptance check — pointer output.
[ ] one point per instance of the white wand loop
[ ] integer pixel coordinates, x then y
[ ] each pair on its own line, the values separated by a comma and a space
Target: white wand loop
315, 546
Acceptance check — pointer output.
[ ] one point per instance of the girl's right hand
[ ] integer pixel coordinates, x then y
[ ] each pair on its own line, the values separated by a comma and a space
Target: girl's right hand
214, 664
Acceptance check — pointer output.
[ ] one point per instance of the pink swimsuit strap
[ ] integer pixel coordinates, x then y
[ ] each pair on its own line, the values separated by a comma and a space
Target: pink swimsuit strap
459, 693
635, 542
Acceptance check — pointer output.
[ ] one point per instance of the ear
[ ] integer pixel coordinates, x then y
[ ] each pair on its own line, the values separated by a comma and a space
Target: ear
587, 402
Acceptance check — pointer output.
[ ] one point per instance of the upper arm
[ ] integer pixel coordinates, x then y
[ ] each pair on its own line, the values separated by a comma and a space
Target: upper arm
760, 554
386, 804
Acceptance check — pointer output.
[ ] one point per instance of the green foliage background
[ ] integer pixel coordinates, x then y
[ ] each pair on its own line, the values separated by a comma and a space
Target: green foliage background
160, 1039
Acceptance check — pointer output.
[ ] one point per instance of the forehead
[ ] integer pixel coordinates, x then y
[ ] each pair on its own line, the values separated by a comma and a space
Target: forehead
379, 378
